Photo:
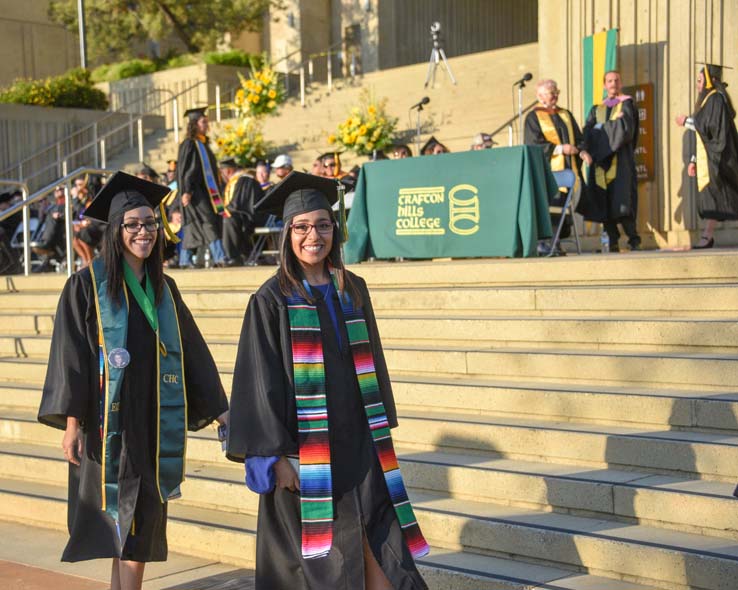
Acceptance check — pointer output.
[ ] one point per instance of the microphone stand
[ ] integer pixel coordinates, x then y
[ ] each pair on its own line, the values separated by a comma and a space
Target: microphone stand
417, 129
520, 85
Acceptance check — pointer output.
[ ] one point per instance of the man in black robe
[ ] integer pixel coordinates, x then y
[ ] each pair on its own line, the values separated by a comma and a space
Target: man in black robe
610, 136
202, 223
556, 130
241, 193
715, 163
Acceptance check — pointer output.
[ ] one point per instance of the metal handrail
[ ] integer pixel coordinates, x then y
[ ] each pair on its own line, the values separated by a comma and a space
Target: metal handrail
94, 126
508, 124
39, 195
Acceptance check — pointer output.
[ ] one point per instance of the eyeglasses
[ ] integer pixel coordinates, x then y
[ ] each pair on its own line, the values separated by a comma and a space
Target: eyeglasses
329, 165
134, 227
302, 229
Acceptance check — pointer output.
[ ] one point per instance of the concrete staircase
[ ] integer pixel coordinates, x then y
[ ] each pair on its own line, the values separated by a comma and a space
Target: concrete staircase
481, 101
565, 424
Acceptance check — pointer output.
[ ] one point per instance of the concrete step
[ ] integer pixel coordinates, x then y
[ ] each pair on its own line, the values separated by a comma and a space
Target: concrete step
663, 558
653, 301
231, 539
699, 507
640, 269
677, 409
680, 454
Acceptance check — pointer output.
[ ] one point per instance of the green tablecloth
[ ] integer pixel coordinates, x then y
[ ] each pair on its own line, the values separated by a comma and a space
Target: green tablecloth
476, 203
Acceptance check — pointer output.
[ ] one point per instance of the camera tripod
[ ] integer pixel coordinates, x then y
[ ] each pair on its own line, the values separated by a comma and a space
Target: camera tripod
437, 54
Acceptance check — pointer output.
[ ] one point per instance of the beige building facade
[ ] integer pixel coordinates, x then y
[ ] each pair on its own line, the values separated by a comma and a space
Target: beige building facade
31, 45
661, 42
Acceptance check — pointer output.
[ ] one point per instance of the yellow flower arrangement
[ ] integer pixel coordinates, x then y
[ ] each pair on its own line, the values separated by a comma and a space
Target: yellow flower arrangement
243, 141
260, 94
367, 128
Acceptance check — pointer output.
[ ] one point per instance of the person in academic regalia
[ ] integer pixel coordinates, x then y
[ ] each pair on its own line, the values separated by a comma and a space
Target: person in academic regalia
715, 163
129, 373
556, 130
610, 136
200, 192
241, 194
310, 353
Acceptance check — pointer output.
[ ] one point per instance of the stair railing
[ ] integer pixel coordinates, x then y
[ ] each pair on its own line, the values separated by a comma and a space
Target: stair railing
40, 195
100, 144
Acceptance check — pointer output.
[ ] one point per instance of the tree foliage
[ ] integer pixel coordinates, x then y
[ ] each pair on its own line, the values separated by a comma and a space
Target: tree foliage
116, 27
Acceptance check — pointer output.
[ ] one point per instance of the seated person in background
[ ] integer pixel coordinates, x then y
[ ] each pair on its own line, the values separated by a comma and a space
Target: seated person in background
9, 225
147, 173
433, 147
171, 174
317, 167
330, 165
556, 131
399, 151
87, 233
50, 242
482, 141
262, 173
240, 195
282, 166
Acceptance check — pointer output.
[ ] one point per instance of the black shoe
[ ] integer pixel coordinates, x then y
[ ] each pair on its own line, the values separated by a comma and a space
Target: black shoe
708, 244
635, 247
225, 263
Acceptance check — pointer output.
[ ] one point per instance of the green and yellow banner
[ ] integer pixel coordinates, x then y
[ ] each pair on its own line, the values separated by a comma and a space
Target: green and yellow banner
599, 55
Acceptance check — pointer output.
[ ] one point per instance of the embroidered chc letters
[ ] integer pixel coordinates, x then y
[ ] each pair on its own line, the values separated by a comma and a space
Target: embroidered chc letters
170, 378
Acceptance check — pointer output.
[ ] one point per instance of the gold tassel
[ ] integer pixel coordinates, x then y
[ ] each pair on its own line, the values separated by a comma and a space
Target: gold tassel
343, 226
168, 233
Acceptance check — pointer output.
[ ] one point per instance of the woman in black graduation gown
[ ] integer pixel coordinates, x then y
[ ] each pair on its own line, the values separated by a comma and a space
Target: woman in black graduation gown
366, 547
715, 163
126, 399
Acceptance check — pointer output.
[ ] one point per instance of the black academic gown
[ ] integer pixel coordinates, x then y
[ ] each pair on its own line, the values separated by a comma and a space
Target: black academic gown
201, 224
618, 137
264, 423
719, 199
237, 228
533, 135
72, 388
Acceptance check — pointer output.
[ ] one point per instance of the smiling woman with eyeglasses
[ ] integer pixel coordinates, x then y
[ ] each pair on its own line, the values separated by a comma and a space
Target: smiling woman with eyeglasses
333, 510
129, 373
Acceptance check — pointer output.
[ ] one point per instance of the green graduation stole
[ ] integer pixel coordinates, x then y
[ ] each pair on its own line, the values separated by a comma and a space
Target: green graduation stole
112, 321
316, 488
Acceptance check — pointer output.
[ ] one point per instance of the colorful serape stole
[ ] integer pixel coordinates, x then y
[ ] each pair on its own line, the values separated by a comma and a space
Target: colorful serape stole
315, 469
210, 179
316, 486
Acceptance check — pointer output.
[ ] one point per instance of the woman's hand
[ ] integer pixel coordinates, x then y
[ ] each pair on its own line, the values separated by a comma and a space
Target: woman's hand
286, 475
186, 198
680, 119
569, 150
72, 441
692, 169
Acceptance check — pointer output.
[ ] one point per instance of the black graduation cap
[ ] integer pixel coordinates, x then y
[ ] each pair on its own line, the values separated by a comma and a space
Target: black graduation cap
229, 163
299, 193
430, 144
713, 71
124, 192
5, 197
398, 146
196, 113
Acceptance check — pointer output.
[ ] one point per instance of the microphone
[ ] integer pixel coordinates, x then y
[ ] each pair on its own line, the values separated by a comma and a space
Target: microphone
424, 100
527, 78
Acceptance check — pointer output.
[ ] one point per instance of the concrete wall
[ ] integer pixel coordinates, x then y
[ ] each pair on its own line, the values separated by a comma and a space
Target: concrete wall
195, 86
26, 130
661, 42
31, 45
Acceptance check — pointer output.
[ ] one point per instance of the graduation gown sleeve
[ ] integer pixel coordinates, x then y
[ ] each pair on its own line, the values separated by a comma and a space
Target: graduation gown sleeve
68, 387
206, 399
188, 166
263, 413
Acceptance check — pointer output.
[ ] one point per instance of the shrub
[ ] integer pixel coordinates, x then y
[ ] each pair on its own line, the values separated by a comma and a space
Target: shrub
179, 61
73, 89
123, 69
234, 57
